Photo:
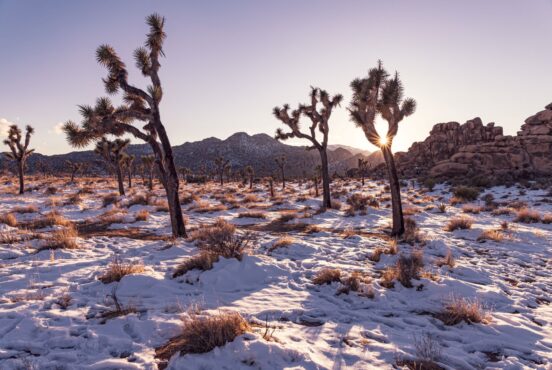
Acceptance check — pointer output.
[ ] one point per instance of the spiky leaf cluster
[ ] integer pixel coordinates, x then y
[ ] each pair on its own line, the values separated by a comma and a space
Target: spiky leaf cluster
19, 147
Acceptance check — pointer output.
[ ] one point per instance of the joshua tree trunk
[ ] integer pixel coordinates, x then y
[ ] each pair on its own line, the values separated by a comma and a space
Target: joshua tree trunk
171, 182
20, 168
283, 178
316, 186
326, 202
251, 182
398, 220
221, 178
150, 184
72, 176
129, 179
120, 180
362, 174
270, 184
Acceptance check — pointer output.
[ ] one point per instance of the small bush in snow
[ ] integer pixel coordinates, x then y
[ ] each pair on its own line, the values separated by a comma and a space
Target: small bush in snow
326, 276
142, 215
65, 238
463, 309
117, 269
8, 219
461, 222
202, 261
547, 218
494, 235
409, 267
527, 216
466, 193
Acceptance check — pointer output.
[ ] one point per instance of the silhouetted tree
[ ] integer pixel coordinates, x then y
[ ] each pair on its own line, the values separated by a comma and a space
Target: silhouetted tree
185, 172
148, 163
378, 93
363, 167
318, 111
128, 165
139, 105
114, 155
281, 163
74, 168
222, 166
250, 173
19, 151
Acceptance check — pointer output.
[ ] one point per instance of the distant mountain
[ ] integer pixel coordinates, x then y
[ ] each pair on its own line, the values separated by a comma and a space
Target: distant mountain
350, 149
241, 149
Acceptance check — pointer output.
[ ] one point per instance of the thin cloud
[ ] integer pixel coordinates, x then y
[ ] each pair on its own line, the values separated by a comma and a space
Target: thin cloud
58, 129
4, 127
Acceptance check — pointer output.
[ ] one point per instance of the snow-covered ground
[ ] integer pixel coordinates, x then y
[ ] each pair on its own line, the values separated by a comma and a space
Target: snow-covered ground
312, 326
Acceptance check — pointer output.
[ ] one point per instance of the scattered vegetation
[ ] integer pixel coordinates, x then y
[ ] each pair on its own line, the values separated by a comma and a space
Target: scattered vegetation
459, 223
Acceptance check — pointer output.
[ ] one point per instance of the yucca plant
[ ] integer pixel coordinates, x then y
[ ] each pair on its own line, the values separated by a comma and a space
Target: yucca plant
19, 151
363, 167
148, 166
249, 172
281, 161
114, 155
128, 165
75, 167
139, 105
378, 93
319, 112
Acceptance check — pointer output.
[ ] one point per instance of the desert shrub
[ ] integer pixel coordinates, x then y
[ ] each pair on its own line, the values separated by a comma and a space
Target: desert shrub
393, 247
8, 219
284, 241
109, 199
138, 199
448, 260
412, 233
429, 183
356, 282
409, 267
201, 334
490, 234
471, 208
376, 254
547, 218
65, 238
142, 215
456, 223
50, 190
74, 199
287, 217
25, 209
251, 198
388, 276
202, 261
50, 219
517, 204
221, 240
117, 269
326, 276
527, 216
442, 207
501, 211
463, 309
359, 202
258, 214
466, 193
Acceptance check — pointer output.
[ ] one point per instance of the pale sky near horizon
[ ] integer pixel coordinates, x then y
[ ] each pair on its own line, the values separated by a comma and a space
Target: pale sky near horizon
228, 63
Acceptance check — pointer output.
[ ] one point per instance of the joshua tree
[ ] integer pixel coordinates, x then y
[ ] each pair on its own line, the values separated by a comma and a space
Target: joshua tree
316, 179
114, 155
319, 117
222, 166
281, 162
19, 151
363, 167
250, 173
139, 105
185, 172
148, 163
128, 164
74, 168
380, 93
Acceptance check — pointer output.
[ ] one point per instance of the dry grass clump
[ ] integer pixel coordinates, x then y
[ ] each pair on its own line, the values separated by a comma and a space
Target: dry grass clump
472, 208
109, 199
204, 207
74, 199
348, 233
8, 219
359, 202
284, 241
50, 190
517, 204
428, 351
327, 276
117, 269
251, 198
547, 218
448, 260
409, 267
65, 238
527, 216
25, 209
356, 282
376, 254
258, 214
463, 309
202, 261
491, 234
50, 219
501, 211
142, 215
412, 234
138, 199
113, 216
461, 222
442, 207
201, 334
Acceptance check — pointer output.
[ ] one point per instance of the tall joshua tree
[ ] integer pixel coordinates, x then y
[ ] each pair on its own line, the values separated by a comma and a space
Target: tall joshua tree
139, 105
148, 161
19, 151
249, 172
74, 168
363, 167
318, 111
114, 155
222, 166
380, 93
281, 161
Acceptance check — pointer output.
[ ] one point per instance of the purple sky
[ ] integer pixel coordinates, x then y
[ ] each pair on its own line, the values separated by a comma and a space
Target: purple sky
229, 62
